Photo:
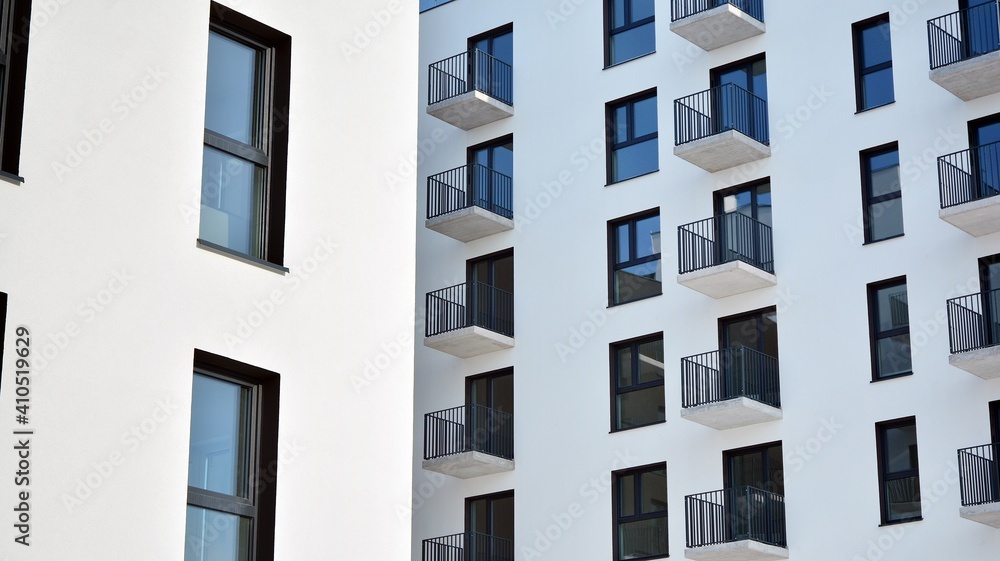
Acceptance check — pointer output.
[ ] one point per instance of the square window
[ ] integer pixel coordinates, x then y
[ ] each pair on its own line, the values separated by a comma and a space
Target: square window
246, 137
873, 62
633, 147
630, 30
637, 383
640, 503
232, 448
890, 329
882, 193
899, 473
635, 267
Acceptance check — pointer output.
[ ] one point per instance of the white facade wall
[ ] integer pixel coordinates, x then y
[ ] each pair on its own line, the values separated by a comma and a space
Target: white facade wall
115, 352
563, 450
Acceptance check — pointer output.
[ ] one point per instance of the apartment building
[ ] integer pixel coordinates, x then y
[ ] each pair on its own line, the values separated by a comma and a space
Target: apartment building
708, 279
207, 270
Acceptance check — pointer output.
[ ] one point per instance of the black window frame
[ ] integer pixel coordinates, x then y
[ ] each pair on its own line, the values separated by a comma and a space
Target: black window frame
880, 431
995, 421
611, 128
616, 503
15, 28
776, 474
261, 478
616, 390
868, 201
873, 326
3, 333
610, 32
274, 48
631, 219
860, 71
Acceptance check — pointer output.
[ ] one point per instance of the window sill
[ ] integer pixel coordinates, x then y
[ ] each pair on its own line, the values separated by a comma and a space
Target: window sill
898, 522
11, 178
867, 109
617, 304
260, 263
620, 181
609, 66
893, 377
884, 239
653, 424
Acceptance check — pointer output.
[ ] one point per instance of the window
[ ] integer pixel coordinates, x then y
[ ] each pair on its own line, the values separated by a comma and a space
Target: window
490, 175
873, 63
899, 477
735, 109
637, 383
890, 329
246, 138
882, 193
635, 258
760, 467
13, 65
489, 526
995, 421
632, 137
491, 69
630, 30
3, 328
232, 454
490, 301
640, 499
756, 331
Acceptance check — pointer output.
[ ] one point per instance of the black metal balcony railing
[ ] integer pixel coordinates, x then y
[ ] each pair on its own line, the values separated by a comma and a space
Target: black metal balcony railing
979, 474
727, 374
468, 71
472, 428
964, 34
470, 546
467, 186
680, 9
721, 239
467, 305
717, 110
969, 175
973, 321
729, 515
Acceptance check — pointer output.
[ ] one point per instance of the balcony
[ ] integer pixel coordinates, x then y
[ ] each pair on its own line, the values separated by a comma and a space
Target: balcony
720, 128
979, 479
965, 51
974, 333
711, 24
969, 181
742, 523
730, 388
469, 203
469, 441
470, 546
468, 320
725, 255
470, 89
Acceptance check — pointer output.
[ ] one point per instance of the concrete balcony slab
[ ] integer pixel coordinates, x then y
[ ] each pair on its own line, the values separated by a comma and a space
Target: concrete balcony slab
467, 465
727, 279
977, 218
469, 224
718, 27
970, 79
468, 342
470, 110
722, 151
743, 550
984, 362
988, 514
731, 414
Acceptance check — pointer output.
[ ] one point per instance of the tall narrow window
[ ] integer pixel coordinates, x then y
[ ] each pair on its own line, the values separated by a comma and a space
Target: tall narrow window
246, 139
637, 383
883, 195
234, 425
640, 501
3, 328
873, 63
489, 526
13, 65
632, 137
890, 329
630, 30
899, 475
635, 258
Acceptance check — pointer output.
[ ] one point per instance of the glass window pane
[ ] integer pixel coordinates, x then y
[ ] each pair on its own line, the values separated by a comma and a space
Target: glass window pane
626, 491
642, 9
892, 308
886, 219
893, 355
645, 116
643, 538
502, 48
625, 366
618, 13
635, 160
901, 448
231, 93
633, 43
216, 536
641, 407
654, 491
232, 202
647, 237
621, 124
638, 281
651, 361
884, 175
220, 426
876, 45
877, 88
903, 498
622, 237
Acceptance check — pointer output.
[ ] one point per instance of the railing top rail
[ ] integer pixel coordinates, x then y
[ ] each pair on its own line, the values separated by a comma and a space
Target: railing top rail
473, 166
720, 87
470, 52
980, 447
973, 295
742, 489
970, 149
471, 406
933, 21
723, 216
